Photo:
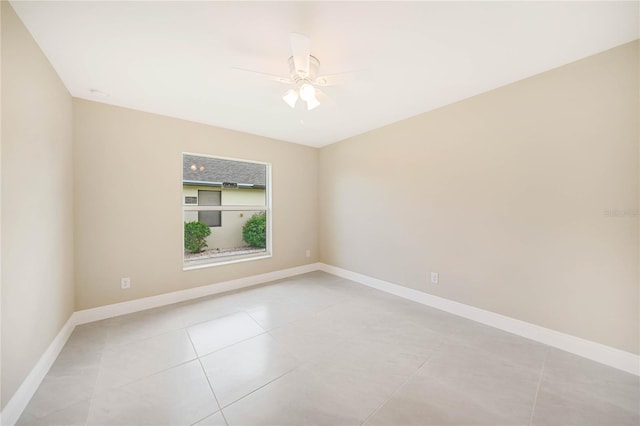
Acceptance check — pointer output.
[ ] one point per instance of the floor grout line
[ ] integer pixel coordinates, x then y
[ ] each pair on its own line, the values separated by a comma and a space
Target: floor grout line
229, 346
88, 398
137, 379
208, 382
260, 387
535, 398
297, 320
95, 384
409, 377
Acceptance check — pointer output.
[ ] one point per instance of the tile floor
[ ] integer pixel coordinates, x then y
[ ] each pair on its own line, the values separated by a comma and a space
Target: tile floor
317, 349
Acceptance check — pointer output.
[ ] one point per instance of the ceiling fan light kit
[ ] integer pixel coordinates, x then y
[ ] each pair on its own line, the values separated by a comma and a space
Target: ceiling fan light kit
303, 74
303, 70
291, 97
305, 92
312, 103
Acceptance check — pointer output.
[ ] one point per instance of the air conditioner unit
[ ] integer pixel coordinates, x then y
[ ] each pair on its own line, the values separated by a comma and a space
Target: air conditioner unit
191, 200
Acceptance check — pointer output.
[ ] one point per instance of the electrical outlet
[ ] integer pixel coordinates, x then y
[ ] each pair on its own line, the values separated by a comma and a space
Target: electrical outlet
125, 283
434, 278
308, 253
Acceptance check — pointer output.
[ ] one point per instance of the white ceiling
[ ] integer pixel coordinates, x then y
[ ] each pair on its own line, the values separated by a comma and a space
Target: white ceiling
178, 58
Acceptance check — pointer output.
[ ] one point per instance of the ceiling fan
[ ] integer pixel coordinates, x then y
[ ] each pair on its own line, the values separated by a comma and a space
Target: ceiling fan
303, 74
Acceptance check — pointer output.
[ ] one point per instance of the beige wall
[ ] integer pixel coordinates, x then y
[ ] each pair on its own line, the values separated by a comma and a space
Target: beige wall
504, 195
128, 202
37, 207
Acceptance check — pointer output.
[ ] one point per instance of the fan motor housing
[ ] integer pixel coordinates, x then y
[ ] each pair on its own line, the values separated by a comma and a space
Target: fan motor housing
314, 64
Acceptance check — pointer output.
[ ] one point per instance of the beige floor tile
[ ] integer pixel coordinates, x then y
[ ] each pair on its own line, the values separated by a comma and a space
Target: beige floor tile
294, 399
219, 333
142, 325
178, 396
71, 379
246, 366
335, 353
576, 391
73, 415
563, 406
427, 401
569, 371
127, 362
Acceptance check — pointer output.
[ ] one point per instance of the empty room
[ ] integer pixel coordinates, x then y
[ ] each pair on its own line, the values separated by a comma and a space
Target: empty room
320, 213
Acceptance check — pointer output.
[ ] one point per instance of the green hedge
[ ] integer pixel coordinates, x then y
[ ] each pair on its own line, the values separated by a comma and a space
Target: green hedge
195, 236
254, 231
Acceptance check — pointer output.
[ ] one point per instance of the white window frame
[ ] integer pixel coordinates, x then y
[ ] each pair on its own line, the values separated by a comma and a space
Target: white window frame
226, 260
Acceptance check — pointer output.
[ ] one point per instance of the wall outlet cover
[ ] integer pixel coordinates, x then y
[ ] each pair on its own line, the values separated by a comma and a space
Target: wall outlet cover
125, 283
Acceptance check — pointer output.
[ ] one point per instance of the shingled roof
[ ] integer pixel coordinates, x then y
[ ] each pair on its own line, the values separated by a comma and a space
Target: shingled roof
215, 171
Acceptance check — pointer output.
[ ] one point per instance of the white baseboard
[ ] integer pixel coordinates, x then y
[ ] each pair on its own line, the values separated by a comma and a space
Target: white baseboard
16, 405
108, 311
598, 352
18, 402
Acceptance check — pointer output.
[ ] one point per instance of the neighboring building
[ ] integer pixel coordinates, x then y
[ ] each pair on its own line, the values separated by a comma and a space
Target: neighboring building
218, 182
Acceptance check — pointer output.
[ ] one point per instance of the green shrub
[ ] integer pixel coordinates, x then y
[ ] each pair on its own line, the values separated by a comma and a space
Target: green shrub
195, 236
254, 231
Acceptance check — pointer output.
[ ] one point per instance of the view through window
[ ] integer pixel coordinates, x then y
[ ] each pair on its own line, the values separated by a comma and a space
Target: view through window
226, 210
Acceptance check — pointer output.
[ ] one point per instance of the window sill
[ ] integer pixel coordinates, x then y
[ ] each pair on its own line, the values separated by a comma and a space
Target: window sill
208, 263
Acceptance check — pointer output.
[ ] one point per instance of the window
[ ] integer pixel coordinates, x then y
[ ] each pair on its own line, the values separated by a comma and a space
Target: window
209, 198
226, 210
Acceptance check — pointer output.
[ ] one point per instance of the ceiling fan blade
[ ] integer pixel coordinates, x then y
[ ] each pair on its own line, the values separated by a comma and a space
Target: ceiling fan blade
277, 78
324, 98
301, 49
334, 79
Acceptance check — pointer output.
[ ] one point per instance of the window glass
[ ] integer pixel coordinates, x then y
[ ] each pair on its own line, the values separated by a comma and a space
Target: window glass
226, 210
